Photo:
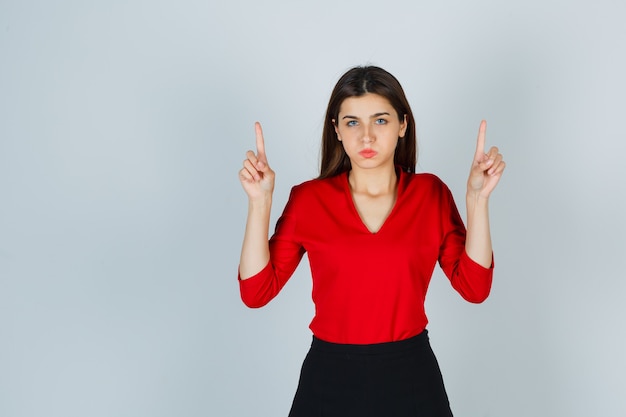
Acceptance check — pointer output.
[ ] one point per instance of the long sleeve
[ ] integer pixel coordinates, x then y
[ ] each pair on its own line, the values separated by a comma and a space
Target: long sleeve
285, 255
471, 280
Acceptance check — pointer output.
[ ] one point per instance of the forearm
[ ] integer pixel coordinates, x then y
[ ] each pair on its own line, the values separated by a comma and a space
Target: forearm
255, 253
478, 238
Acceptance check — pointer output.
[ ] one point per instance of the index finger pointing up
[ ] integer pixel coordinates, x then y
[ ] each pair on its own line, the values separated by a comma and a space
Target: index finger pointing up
260, 143
480, 142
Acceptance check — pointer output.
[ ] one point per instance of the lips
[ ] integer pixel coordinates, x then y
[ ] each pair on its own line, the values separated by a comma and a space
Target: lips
368, 153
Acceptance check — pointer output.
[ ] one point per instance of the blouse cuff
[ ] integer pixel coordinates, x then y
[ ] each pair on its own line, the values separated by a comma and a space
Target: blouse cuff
253, 289
474, 266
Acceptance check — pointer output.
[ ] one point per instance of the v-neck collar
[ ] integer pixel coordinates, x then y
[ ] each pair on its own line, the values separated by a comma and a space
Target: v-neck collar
401, 175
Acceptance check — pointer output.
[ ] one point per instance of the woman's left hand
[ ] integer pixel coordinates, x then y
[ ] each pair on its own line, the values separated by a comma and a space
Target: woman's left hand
486, 169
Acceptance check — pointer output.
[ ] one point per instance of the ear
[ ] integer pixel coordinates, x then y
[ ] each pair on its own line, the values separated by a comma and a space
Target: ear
336, 129
403, 127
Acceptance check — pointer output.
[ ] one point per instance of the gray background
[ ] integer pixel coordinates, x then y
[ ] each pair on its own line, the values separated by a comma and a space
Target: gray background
123, 125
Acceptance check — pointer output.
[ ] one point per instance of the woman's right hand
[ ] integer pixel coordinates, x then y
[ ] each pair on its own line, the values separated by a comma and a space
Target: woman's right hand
256, 176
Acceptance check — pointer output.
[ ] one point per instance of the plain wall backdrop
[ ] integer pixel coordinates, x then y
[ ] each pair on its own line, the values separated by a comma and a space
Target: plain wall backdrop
123, 125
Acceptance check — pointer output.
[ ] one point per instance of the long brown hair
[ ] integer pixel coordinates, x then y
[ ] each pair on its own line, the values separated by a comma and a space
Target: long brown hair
355, 83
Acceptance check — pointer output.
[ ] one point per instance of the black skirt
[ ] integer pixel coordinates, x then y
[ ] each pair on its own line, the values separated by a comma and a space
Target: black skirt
395, 379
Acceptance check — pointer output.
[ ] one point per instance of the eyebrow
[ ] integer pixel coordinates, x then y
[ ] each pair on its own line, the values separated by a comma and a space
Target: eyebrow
347, 116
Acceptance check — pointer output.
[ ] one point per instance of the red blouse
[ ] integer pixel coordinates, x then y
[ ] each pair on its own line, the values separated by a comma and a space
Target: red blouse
369, 287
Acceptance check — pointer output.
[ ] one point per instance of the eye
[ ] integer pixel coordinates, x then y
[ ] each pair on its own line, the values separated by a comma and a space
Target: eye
381, 121
351, 123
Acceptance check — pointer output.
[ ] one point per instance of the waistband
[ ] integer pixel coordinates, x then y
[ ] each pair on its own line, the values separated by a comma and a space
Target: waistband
419, 340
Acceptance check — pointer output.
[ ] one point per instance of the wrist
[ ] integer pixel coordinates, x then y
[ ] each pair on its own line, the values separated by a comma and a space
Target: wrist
474, 195
475, 203
261, 202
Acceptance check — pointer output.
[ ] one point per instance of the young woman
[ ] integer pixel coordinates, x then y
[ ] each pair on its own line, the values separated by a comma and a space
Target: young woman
373, 231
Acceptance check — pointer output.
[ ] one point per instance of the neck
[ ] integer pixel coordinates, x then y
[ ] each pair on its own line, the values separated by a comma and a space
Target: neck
373, 181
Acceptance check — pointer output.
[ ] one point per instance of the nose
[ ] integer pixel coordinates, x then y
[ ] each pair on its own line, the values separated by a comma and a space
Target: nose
368, 136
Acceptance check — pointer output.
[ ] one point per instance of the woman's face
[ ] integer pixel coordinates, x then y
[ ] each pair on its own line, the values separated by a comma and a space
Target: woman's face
368, 127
